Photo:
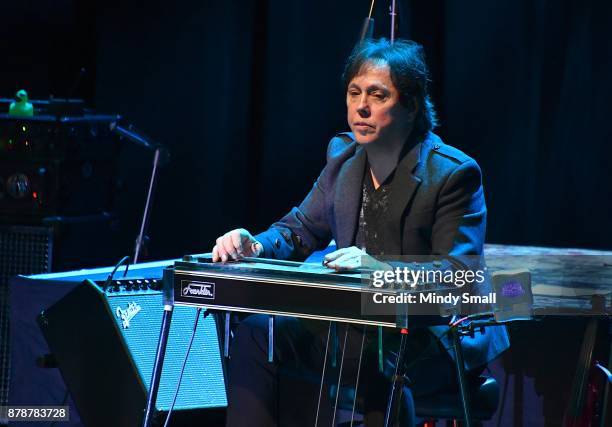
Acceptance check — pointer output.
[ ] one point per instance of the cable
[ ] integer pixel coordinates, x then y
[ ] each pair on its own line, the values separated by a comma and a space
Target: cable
393, 13
119, 264
454, 323
438, 339
178, 384
371, 9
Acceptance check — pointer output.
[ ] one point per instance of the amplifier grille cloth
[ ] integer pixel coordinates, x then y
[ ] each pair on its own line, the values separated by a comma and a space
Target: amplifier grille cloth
23, 250
203, 383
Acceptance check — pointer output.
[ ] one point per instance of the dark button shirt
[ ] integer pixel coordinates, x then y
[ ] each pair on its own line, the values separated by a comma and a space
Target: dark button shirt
373, 214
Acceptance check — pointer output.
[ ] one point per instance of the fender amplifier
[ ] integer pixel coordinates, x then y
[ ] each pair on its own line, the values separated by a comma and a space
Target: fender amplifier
105, 342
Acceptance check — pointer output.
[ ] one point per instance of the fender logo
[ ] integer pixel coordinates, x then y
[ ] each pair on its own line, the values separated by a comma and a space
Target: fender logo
128, 314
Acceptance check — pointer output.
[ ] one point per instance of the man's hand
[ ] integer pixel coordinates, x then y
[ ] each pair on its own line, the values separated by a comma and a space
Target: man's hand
235, 245
353, 258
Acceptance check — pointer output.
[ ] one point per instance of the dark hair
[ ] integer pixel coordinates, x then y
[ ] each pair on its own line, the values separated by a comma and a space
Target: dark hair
409, 74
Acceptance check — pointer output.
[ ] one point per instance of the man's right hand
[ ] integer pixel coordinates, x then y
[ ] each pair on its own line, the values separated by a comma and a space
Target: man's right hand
235, 245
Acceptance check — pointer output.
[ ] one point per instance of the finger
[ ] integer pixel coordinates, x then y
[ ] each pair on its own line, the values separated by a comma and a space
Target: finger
215, 254
236, 237
349, 265
346, 261
221, 249
347, 257
335, 254
257, 248
229, 247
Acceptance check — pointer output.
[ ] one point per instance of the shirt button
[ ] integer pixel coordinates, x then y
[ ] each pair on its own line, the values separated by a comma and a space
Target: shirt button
277, 244
436, 146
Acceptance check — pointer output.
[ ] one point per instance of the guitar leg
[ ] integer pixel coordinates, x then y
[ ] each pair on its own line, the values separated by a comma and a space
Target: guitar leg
606, 395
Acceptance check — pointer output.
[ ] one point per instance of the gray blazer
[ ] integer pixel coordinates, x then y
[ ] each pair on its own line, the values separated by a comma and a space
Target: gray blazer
437, 207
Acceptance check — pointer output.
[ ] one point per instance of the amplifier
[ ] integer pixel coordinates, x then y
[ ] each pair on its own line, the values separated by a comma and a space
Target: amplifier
56, 167
105, 342
23, 250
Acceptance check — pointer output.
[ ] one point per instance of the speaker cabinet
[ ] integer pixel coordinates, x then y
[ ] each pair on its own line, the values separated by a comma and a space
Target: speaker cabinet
105, 345
23, 250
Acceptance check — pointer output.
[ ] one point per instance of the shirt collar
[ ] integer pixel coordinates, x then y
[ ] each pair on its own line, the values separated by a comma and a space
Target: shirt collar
383, 162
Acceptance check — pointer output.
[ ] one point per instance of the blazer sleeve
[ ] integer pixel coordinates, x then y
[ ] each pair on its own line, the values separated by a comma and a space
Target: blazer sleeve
461, 214
306, 227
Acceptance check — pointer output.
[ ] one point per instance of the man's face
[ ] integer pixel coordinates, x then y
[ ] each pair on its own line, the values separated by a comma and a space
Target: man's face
374, 111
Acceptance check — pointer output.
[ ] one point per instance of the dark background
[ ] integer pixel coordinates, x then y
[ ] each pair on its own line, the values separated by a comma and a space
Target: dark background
246, 95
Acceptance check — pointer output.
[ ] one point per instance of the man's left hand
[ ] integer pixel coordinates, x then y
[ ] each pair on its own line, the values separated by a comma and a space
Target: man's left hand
351, 259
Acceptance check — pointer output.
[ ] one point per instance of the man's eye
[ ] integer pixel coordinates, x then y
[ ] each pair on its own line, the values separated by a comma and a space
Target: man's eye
378, 95
354, 93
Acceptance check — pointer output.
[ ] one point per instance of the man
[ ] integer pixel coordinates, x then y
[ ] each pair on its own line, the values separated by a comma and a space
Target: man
390, 187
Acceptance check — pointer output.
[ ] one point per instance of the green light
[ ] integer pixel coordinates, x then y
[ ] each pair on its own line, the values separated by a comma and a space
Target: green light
10, 142
24, 128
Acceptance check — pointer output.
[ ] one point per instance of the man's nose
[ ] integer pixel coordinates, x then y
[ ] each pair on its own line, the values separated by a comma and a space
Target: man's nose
363, 108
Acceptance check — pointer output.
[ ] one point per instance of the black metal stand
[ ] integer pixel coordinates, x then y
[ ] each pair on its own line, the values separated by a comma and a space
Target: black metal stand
397, 384
160, 156
463, 387
140, 240
604, 410
394, 404
159, 364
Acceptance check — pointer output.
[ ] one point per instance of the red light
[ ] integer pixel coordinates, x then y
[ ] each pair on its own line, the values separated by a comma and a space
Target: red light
35, 195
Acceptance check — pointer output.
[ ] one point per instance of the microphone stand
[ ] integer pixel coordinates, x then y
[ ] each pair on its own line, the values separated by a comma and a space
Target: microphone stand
159, 152
144, 225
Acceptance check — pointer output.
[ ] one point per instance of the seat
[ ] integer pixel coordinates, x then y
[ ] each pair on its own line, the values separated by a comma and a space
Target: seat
484, 398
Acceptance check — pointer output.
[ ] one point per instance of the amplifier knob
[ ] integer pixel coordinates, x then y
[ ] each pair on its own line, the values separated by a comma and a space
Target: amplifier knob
18, 186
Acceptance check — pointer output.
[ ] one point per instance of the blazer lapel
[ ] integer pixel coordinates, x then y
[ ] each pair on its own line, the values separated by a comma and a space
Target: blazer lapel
405, 183
347, 199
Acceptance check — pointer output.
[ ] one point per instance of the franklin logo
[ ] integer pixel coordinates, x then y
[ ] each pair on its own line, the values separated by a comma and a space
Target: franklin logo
128, 314
199, 289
